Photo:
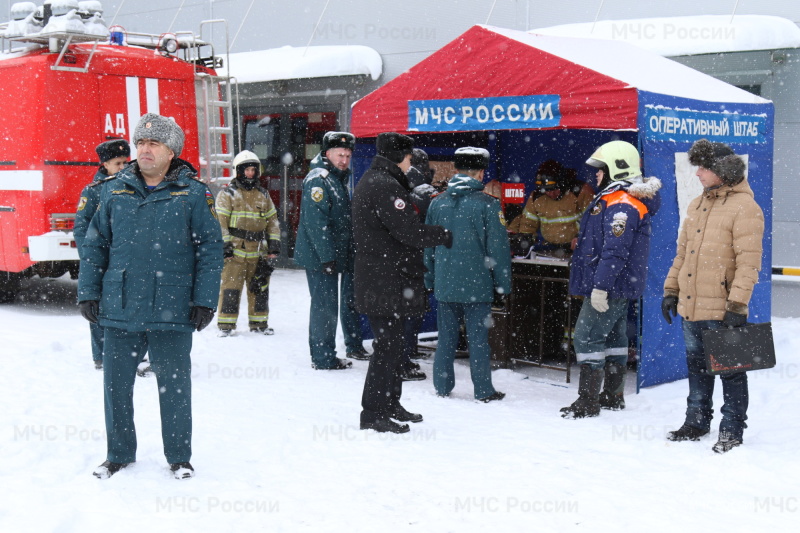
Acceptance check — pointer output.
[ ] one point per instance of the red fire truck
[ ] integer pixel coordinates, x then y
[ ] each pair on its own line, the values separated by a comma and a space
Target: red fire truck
63, 93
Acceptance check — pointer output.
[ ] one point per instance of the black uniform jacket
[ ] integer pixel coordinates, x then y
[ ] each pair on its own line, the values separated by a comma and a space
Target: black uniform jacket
389, 239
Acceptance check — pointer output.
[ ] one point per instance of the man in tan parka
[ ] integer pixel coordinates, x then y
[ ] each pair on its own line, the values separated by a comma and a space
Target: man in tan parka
252, 236
710, 284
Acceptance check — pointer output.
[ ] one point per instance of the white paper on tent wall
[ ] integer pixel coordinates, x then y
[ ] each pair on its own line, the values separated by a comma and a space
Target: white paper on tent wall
688, 184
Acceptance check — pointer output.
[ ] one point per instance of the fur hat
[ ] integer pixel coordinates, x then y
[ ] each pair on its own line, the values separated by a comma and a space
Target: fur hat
338, 139
110, 149
161, 129
471, 158
719, 158
394, 146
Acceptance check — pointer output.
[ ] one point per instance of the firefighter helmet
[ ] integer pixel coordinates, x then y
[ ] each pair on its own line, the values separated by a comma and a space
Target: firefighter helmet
621, 158
245, 159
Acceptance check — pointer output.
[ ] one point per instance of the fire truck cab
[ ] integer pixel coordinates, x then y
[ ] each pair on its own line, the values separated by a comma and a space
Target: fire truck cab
66, 88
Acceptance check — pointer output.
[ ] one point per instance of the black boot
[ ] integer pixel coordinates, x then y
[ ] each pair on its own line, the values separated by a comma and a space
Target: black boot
588, 402
612, 396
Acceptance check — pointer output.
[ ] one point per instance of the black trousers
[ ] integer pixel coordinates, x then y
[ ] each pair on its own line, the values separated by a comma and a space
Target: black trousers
383, 386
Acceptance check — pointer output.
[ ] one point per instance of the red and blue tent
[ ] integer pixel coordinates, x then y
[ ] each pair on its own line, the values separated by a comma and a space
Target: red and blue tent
528, 98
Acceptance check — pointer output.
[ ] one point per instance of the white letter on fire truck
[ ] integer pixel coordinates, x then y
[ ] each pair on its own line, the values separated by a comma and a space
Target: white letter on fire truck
120, 125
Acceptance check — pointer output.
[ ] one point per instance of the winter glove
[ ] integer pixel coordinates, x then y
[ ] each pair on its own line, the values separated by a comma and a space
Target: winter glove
259, 283
329, 268
734, 320
274, 247
227, 250
669, 308
201, 317
448, 235
600, 300
499, 301
89, 309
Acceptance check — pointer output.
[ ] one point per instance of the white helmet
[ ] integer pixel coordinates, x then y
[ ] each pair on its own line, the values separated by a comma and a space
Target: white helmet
246, 158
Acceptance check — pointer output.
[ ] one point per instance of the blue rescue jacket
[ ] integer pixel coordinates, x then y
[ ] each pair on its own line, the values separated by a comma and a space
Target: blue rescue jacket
614, 240
325, 231
479, 262
150, 256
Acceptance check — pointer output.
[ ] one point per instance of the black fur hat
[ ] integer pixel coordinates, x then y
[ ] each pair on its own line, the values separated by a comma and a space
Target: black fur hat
719, 158
110, 149
471, 158
338, 139
394, 146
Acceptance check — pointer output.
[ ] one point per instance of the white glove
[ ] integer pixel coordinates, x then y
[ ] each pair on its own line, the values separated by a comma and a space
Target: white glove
600, 300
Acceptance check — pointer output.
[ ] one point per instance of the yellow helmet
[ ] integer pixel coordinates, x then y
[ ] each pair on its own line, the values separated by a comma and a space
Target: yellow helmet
621, 158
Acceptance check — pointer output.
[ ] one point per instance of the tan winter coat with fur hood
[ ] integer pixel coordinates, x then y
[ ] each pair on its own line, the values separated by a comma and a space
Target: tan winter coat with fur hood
719, 254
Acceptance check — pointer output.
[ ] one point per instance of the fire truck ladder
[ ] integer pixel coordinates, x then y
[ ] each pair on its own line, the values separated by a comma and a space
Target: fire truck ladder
216, 98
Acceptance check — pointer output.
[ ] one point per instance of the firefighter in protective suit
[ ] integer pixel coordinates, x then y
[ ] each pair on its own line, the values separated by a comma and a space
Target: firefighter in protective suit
251, 235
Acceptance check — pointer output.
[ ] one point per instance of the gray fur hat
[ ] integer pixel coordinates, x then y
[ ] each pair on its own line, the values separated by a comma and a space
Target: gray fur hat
161, 129
719, 158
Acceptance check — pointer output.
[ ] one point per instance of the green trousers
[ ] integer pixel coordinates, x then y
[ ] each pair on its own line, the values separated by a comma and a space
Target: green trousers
171, 362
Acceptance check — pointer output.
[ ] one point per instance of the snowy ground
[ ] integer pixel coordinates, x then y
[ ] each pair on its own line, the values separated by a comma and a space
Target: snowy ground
277, 445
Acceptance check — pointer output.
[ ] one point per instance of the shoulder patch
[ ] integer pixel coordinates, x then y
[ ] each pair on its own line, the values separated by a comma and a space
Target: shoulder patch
317, 194
210, 202
597, 209
502, 218
618, 224
82, 203
399, 204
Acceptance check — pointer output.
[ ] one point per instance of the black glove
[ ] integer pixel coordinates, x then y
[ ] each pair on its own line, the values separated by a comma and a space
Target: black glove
227, 250
734, 320
89, 309
448, 243
259, 283
669, 305
329, 268
274, 247
201, 316
499, 301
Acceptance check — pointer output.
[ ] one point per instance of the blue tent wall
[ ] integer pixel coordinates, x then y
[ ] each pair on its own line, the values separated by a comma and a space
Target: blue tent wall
663, 349
517, 154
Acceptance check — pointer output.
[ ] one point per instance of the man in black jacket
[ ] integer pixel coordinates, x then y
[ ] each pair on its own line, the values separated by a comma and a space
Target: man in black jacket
389, 287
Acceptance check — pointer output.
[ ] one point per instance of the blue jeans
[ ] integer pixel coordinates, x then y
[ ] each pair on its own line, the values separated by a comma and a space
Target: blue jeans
477, 318
602, 336
326, 303
699, 405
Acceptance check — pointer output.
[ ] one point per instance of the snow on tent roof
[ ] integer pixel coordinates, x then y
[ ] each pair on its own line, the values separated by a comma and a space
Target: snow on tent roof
287, 63
635, 66
676, 36
597, 82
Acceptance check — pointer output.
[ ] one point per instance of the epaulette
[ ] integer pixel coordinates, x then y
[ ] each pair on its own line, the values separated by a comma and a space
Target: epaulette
318, 173
100, 182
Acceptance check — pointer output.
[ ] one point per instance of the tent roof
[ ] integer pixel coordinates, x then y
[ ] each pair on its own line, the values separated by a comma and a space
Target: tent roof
597, 80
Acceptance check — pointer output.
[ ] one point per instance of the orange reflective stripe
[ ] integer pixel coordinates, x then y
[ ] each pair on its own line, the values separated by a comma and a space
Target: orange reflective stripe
622, 197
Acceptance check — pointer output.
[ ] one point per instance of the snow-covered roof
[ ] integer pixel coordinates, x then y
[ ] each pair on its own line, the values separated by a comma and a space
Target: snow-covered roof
635, 66
676, 36
288, 63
